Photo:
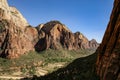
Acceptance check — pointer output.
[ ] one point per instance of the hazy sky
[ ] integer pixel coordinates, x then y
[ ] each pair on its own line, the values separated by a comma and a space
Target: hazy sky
87, 16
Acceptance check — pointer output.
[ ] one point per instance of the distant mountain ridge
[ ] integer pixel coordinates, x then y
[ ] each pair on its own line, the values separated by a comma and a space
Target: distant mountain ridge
56, 36
17, 37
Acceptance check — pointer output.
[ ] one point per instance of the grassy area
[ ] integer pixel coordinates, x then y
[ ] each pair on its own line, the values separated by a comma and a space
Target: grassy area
80, 69
27, 64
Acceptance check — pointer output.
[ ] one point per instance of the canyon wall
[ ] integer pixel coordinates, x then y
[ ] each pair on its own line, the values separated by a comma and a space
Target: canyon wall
108, 61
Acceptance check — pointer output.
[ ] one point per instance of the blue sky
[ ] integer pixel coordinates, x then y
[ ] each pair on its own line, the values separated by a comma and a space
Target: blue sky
87, 16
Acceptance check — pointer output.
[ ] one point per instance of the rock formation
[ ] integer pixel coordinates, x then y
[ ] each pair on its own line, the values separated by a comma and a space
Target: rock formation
17, 37
14, 32
108, 61
11, 13
55, 35
81, 41
93, 43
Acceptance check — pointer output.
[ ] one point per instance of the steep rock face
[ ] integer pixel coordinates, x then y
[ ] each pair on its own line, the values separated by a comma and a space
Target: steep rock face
32, 34
16, 37
17, 18
4, 10
81, 41
55, 35
11, 13
13, 41
108, 61
93, 43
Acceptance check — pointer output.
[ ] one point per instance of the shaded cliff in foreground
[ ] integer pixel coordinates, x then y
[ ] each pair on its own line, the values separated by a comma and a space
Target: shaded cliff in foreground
108, 61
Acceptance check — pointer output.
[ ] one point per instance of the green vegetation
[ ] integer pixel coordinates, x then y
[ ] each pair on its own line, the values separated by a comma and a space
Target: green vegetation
30, 63
80, 69
14, 13
3, 23
1, 26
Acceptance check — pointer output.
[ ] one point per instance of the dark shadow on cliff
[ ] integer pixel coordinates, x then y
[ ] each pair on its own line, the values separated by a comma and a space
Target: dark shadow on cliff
40, 45
79, 69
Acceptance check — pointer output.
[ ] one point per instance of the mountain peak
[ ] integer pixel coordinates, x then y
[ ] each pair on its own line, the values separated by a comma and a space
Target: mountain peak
56, 35
3, 3
54, 25
12, 14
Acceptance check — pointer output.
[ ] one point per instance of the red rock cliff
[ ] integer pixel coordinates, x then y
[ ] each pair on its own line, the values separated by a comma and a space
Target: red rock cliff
55, 35
108, 61
16, 38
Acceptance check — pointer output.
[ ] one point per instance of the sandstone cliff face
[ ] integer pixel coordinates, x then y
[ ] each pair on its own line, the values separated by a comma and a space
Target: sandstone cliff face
13, 41
93, 43
108, 61
16, 38
55, 35
11, 13
81, 41
4, 10
17, 18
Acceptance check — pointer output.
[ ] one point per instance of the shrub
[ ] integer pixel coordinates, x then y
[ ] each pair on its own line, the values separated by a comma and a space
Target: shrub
32, 70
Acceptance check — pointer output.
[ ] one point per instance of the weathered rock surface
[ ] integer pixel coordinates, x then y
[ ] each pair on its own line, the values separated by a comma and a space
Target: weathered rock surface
16, 38
4, 10
55, 35
108, 61
13, 41
93, 43
11, 13
81, 41
17, 18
